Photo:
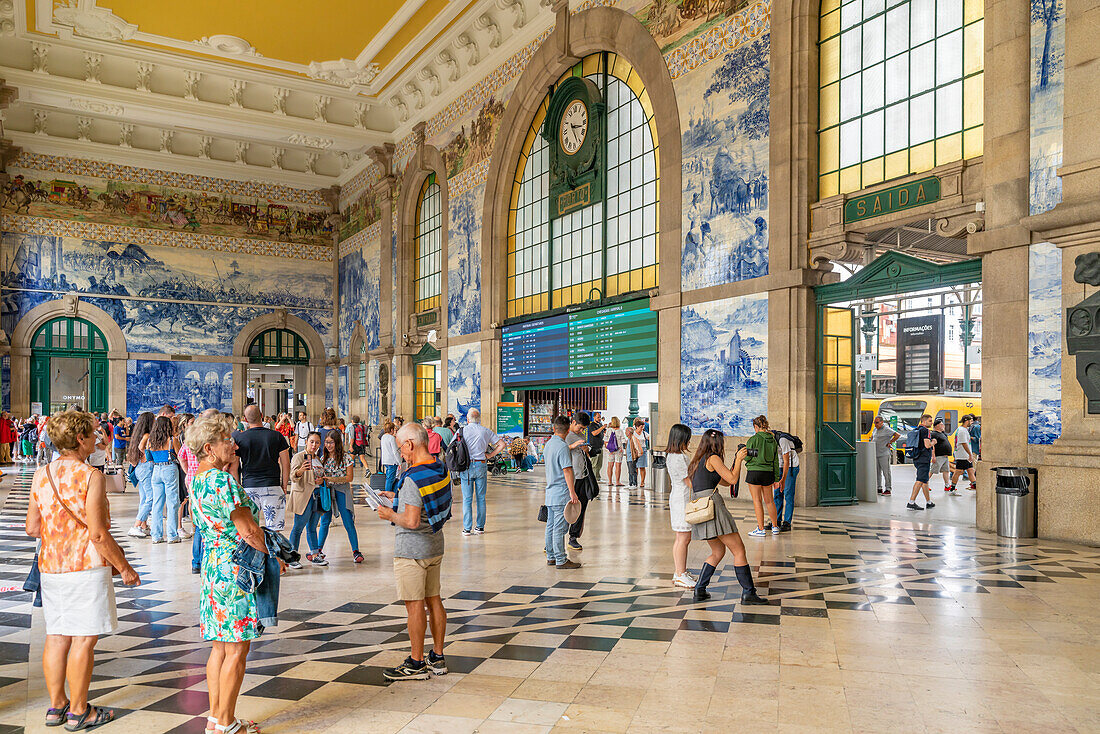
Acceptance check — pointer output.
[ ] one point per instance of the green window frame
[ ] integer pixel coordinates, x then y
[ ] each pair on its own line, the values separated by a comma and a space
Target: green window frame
428, 251
67, 334
611, 246
278, 346
901, 89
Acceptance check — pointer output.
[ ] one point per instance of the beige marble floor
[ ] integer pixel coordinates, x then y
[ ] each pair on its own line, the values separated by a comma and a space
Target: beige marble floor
878, 624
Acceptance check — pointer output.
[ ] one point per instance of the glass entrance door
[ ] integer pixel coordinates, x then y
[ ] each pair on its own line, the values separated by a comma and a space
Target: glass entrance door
69, 366
837, 412
427, 389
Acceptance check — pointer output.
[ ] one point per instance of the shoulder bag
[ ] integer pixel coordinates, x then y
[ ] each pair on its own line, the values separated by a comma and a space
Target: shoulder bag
700, 510
81, 523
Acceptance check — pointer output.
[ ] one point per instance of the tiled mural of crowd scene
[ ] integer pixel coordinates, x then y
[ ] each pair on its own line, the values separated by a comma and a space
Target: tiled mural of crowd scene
359, 292
464, 256
163, 298
463, 379
374, 395
136, 204
724, 118
724, 364
189, 387
1044, 339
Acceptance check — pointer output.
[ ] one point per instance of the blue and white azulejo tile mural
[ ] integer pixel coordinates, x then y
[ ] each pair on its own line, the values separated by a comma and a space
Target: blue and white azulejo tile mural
1044, 344
463, 379
464, 262
359, 294
374, 397
190, 387
724, 364
1048, 45
342, 406
724, 118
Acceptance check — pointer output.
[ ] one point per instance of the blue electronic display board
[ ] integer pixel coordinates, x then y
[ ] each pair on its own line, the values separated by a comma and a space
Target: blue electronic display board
615, 343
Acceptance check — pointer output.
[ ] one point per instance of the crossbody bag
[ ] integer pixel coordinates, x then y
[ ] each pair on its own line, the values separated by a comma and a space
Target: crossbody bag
700, 510
81, 523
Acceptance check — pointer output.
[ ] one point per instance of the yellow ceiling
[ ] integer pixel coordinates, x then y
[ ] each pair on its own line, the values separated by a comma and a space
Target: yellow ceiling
287, 30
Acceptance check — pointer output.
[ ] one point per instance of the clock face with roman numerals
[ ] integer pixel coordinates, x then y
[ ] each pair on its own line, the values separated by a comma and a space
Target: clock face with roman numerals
574, 127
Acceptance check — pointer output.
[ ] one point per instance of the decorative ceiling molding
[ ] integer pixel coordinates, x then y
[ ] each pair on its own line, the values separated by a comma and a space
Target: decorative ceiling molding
346, 73
83, 18
229, 45
310, 141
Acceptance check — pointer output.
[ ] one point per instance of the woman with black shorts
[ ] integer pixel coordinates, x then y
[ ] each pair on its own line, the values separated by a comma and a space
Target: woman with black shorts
764, 469
708, 471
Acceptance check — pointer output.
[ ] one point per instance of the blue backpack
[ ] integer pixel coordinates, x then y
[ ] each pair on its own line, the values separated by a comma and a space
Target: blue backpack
912, 438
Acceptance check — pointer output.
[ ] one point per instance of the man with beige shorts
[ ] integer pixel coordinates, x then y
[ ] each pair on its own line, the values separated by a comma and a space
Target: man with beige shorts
421, 506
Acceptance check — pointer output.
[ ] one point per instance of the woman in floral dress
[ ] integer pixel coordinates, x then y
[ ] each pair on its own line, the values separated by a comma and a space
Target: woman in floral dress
223, 513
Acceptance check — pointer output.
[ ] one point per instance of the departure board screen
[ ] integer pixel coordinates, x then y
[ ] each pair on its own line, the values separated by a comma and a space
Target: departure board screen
614, 343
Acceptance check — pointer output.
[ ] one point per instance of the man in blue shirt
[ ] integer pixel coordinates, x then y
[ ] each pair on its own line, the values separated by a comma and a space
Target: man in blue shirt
922, 462
560, 491
483, 445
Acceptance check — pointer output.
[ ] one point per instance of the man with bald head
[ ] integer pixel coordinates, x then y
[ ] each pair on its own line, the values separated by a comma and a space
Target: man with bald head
483, 445
262, 467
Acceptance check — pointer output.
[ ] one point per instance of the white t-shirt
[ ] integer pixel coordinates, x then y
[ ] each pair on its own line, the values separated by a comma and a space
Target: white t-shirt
962, 443
303, 429
787, 447
390, 455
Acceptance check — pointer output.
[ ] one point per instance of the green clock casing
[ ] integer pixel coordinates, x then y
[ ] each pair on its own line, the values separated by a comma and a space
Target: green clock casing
574, 129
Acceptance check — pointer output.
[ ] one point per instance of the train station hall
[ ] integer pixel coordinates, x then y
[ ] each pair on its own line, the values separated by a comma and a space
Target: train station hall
516, 366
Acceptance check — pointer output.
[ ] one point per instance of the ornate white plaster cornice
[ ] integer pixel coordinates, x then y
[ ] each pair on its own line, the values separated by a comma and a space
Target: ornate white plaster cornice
83, 18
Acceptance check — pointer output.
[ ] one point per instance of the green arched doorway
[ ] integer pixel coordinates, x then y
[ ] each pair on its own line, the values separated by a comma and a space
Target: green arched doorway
68, 366
276, 377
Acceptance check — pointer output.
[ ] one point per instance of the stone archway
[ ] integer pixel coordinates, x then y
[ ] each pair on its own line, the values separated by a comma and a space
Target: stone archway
68, 306
315, 370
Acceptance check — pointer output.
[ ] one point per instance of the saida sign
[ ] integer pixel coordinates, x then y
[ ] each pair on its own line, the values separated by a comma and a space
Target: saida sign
893, 199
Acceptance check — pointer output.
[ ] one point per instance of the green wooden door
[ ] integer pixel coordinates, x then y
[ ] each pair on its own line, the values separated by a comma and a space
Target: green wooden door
837, 407
97, 384
40, 380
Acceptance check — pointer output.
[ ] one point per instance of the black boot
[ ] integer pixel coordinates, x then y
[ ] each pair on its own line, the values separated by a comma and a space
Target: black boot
701, 585
748, 589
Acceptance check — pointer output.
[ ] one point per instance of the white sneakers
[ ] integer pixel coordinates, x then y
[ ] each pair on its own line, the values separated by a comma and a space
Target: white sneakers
136, 532
758, 533
684, 580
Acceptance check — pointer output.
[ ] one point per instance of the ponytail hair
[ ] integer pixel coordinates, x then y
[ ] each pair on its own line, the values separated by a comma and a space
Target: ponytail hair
760, 422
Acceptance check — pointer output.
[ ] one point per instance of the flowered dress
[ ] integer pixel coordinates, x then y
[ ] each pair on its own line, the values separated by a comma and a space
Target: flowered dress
226, 613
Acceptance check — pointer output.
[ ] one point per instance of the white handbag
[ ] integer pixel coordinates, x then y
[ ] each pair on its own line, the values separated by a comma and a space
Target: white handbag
700, 510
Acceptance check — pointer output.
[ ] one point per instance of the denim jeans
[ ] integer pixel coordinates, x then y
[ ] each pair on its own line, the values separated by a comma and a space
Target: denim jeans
391, 477
196, 551
555, 534
341, 504
631, 473
164, 487
473, 484
307, 521
784, 498
119, 456
144, 473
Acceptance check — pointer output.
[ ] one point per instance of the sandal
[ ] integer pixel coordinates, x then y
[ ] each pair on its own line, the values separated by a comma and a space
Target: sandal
211, 723
56, 717
238, 727
92, 717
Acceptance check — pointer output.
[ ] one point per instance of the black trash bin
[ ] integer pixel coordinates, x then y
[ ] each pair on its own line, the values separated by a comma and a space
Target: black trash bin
1017, 501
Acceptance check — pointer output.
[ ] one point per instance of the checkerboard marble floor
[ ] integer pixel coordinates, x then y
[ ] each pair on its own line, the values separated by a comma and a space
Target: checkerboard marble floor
877, 624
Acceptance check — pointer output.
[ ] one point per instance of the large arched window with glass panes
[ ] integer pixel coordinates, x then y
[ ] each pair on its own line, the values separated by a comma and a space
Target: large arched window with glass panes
608, 249
428, 250
900, 89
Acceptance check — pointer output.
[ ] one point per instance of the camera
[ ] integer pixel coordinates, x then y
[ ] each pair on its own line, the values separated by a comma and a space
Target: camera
749, 453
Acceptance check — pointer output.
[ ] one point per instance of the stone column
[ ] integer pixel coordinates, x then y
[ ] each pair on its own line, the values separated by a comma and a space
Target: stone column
1069, 473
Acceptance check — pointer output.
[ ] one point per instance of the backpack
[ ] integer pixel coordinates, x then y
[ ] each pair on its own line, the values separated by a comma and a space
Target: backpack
360, 435
457, 455
912, 438
613, 442
795, 440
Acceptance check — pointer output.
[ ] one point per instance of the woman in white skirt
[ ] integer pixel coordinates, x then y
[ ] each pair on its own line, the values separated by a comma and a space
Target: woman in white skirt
68, 511
676, 461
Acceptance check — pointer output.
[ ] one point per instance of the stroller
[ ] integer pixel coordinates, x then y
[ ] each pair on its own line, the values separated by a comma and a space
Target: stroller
498, 466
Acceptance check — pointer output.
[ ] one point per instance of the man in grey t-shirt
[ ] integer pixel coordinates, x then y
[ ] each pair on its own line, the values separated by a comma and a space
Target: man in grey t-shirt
882, 436
418, 556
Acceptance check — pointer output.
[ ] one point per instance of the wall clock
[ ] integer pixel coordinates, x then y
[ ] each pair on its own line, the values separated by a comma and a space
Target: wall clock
574, 128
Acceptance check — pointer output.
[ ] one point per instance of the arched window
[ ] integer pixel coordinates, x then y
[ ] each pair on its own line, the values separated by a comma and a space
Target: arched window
69, 335
362, 372
611, 245
900, 90
278, 346
428, 253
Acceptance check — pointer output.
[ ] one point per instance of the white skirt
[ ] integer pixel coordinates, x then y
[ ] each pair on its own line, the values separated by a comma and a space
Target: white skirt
79, 603
677, 507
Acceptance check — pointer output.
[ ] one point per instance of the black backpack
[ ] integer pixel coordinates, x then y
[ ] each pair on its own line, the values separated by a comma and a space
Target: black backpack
457, 455
795, 440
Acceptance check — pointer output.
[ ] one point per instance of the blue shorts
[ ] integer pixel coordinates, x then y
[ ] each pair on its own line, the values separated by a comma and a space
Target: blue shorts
924, 470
